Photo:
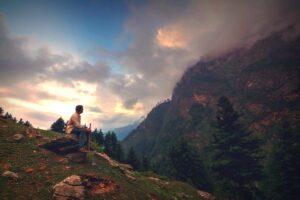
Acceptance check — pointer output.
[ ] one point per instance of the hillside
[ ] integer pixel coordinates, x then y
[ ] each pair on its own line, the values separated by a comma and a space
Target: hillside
262, 82
38, 170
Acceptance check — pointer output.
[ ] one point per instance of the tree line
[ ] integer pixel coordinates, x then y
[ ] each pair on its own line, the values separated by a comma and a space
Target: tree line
234, 166
8, 115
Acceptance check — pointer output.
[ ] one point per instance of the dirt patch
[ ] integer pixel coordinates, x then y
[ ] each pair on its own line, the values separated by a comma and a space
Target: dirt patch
97, 186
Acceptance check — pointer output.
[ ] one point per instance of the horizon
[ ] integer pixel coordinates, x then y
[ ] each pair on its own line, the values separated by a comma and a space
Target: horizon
117, 58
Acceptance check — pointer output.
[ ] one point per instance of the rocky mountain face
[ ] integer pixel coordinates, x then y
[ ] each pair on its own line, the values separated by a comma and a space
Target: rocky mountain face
262, 82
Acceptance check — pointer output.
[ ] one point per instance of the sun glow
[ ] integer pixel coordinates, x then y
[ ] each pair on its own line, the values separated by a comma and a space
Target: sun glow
170, 37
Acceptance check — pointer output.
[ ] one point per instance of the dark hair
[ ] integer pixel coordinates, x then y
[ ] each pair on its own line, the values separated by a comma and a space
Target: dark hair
79, 108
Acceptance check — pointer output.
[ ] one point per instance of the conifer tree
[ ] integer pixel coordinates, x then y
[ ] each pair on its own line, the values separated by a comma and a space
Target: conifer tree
234, 156
132, 159
1, 111
21, 121
98, 137
112, 146
283, 166
58, 125
27, 123
145, 163
188, 165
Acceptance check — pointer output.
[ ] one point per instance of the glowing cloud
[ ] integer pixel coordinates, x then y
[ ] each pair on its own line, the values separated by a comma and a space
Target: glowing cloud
170, 37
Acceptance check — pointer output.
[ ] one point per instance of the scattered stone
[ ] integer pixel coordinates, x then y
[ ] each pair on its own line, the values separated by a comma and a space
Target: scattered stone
82, 187
43, 167
29, 170
73, 180
79, 157
206, 195
154, 178
31, 132
6, 166
18, 137
67, 167
130, 176
10, 174
65, 191
126, 167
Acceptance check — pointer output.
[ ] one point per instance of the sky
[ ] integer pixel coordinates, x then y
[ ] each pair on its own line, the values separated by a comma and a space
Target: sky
119, 58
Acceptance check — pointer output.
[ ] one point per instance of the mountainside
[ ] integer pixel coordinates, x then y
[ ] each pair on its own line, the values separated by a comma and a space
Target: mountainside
29, 171
262, 82
122, 132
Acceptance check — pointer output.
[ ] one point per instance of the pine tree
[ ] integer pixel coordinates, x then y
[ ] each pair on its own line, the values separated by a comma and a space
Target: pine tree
1, 111
21, 121
188, 165
58, 125
145, 163
27, 123
98, 137
283, 166
132, 159
234, 161
112, 147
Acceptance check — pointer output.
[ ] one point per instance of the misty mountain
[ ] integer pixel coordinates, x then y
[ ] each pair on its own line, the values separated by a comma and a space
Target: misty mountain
261, 81
123, 131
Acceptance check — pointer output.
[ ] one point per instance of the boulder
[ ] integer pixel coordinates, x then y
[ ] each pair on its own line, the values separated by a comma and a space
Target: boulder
62, 145
31, 132
18, 137
10, 174
82, 187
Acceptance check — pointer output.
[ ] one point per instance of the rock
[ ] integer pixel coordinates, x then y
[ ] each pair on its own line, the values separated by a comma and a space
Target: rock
62, 145
29, 170
10, 174
206, 195
79, 157
31, 132
73, 180
65, 191
82, 187
18, 137
126, 167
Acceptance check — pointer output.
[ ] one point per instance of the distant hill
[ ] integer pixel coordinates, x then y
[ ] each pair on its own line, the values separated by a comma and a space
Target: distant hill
123, 131
262, 82
28, 171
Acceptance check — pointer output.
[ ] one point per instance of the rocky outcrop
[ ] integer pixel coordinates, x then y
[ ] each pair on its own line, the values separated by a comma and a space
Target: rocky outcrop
83, 187
18, 137
61, 145
10, 174
125, 168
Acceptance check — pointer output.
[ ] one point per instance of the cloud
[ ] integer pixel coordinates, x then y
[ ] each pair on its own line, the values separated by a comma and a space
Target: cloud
166, 37
169, 36
93, 109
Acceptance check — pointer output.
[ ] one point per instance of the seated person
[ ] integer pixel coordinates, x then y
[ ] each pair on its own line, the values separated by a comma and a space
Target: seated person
74, 127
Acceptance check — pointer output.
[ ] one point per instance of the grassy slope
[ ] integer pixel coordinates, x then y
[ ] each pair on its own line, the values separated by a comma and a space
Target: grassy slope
49, 169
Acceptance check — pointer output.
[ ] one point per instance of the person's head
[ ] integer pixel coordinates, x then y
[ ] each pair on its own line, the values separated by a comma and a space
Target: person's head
79, 109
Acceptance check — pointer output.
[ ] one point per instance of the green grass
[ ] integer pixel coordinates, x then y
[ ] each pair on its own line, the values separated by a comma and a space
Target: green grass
49, 169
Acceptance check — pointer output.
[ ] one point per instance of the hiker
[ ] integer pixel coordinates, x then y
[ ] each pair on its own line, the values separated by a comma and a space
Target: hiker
74, 127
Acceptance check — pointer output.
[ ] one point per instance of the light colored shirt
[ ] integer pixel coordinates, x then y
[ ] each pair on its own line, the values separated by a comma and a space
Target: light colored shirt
75, 121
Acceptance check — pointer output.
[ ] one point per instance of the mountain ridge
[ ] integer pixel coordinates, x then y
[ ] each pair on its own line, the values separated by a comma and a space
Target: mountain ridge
261, 81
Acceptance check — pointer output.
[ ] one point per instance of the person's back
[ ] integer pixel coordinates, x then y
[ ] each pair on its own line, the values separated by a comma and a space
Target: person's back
75, 121
74, 126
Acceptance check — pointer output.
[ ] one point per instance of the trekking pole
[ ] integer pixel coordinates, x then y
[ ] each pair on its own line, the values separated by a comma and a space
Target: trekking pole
89, 146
